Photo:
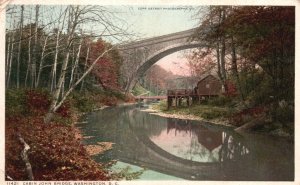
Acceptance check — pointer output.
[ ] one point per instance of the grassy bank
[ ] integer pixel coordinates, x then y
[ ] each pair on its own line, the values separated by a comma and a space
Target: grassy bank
214, 114
224, 111
56, 152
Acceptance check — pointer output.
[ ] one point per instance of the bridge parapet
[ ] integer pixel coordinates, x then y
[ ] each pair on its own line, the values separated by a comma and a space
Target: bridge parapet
159, 39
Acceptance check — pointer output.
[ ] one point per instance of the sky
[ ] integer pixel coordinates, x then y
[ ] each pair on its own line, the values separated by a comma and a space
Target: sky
145, 21
151, 21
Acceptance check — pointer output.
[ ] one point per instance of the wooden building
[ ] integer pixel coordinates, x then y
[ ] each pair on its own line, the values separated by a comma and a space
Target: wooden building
209, 86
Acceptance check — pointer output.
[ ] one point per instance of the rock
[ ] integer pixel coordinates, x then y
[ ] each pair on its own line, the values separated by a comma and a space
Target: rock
282, 104
280, 132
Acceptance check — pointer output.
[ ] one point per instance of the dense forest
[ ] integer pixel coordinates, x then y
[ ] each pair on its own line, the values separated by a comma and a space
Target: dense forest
252, 50
57, 66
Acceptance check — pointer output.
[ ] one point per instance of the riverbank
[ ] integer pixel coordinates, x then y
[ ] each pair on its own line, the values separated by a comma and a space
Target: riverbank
156, 111
55, 150
253, 120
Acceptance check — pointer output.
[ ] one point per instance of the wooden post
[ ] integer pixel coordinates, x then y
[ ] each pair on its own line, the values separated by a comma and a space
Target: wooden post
180, 101
169, 102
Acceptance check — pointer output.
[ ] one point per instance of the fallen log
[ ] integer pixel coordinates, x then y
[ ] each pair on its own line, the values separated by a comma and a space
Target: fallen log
251, 124
7, 177
25, 158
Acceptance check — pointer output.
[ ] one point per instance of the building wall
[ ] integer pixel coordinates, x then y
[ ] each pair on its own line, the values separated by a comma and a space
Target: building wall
209, 86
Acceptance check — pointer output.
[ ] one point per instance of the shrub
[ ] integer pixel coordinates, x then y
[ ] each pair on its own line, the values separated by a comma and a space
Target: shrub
115, 94
14, 102
129, 98
109, 100
211, 114
219, 101
37, 101
64, 110
83, 102
283, 114
161, 105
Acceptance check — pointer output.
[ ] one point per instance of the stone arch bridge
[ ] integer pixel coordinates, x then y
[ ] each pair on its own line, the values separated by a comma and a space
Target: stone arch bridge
140, 55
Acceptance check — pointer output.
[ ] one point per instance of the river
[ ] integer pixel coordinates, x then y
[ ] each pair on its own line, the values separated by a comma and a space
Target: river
174, 149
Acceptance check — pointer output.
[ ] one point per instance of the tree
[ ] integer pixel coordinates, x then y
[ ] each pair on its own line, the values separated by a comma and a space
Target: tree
76, 16
215, 38
268, 40
19, 47
53, 51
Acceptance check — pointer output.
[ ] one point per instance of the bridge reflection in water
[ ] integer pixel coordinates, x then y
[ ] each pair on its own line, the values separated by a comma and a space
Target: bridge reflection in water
187, 149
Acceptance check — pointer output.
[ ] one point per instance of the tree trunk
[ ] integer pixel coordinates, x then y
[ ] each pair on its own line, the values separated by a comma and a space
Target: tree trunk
85, 65
53, 74
223, 49
29, 57
10, 60
58, 89
235, 69
19, 47
81, 78
34, 56
7, 54
75, 64
41, 63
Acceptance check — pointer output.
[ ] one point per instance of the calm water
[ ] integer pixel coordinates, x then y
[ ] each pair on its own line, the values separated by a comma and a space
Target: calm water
181, 149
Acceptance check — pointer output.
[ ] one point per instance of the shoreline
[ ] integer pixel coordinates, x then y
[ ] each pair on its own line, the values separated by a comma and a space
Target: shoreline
221, 122
217, 122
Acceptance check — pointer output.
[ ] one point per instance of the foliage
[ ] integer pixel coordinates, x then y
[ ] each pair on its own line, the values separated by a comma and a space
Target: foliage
55, 154
208, 114
270, 33
219, 101
82, 101
161, 105
140, 90
245, 115
14, 102
64, 110
283, 114
157, 80
259, 45
26, 101
203, 111
200, 62
106, 71
126, 174
109, 100
37, 101
231, 90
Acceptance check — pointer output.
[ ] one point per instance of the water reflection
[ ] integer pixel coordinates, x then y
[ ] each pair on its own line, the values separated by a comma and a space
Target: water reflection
189, 141
187, 149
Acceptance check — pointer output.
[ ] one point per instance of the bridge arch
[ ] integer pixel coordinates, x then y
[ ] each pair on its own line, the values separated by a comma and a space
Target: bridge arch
139, 56
155, 57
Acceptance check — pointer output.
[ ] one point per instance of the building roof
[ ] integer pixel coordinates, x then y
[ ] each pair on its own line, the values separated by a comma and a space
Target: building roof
207, 75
